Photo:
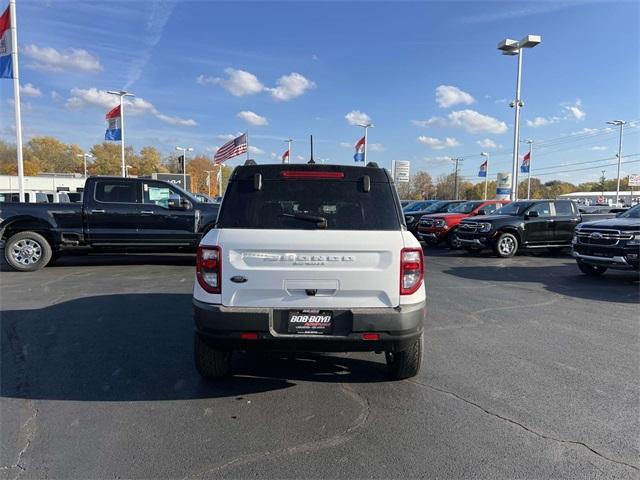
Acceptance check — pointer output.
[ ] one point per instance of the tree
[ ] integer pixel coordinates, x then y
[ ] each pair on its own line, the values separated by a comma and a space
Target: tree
8, 159
107, 158
48, 154
420, 186
147, 162
198, 167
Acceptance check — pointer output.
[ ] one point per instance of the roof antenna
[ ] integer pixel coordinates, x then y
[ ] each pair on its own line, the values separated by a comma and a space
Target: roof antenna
311, 160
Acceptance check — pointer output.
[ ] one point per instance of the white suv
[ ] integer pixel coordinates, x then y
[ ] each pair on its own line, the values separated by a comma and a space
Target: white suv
309, 258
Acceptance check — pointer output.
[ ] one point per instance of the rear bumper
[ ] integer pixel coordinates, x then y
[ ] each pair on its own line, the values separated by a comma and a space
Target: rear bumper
221, 327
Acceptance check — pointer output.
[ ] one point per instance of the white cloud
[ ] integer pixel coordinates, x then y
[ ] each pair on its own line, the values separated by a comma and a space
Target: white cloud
253, 118
474, 122
487, 143
576, 110
55, 96
347, 145
29, 90
599, 148
501, 100
437, 160
228, 136
376, 147
438, 144
81, 98
448, 95
542, 121
255, 150
238, 82
300, 157
290, 86
356, 117
52, 60
437, 121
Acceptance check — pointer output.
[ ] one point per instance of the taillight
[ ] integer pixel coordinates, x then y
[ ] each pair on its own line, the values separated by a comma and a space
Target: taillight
209, 268
411, 270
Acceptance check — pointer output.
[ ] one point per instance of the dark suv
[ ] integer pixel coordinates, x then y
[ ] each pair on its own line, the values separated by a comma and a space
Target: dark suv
612, 243
528, 224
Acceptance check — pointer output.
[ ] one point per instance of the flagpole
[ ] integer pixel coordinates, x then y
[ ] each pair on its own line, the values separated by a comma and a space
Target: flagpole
529, 176
16, 96
122, 94
486, 173
366, 143
220, 180
288, 151
247, 133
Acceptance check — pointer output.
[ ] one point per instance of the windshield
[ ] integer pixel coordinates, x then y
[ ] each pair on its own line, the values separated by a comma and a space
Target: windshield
466, 207
515, 208
309, 204
417, 206
434, 207
632, 213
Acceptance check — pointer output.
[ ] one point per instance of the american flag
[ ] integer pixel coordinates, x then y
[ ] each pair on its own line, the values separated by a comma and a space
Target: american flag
231, 149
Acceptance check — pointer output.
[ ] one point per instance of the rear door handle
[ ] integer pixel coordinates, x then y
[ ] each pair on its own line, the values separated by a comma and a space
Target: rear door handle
147, 212
97, 211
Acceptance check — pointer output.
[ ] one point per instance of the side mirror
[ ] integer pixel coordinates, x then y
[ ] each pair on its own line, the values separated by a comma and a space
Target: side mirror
482, 211
185, 204
533, 214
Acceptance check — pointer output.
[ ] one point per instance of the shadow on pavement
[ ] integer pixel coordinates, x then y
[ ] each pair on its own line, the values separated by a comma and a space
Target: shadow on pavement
138, 347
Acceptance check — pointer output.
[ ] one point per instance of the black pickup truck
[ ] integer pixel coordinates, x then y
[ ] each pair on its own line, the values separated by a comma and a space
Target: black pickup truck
116, 214
523, 224
612, 243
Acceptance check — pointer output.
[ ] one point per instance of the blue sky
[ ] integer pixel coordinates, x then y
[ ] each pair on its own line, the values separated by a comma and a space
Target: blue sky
427, 74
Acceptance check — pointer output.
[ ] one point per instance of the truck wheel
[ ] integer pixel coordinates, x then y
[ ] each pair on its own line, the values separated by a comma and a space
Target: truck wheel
506, 245
27, 251
453, 241
593, 270
406, 363
211, 362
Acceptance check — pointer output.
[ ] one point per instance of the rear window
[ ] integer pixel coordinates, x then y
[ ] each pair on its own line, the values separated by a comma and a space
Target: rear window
303, 204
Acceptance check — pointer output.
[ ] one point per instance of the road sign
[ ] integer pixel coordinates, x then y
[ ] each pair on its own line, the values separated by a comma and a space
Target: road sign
401, 171
634, 180
503, 186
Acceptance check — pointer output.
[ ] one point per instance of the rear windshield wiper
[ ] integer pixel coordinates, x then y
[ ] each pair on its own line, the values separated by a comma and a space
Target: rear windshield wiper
321, 222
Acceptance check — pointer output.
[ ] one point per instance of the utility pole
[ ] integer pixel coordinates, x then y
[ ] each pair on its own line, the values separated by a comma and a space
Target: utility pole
621, 124
457, 161
603, 179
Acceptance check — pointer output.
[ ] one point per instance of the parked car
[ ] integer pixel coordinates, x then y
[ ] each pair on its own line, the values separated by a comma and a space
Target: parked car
443, 227
417, 205
522, 224
309, 258
57, 197
438, 206
612, 243
204, 198
117, 214
75, 197
405, 203
30, 196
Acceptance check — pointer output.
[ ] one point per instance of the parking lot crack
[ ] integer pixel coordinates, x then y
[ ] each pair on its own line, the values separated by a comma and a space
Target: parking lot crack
335, 440
524, 427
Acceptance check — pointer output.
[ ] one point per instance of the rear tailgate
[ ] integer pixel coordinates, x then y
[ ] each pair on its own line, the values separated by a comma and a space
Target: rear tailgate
335, 269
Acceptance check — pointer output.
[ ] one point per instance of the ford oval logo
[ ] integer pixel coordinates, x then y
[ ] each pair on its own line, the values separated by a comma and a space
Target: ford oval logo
596, 235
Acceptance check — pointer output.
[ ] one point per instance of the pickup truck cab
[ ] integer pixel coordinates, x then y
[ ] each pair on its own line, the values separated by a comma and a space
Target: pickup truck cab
309, 258
116, 214
443, 227
522, 224
612, 243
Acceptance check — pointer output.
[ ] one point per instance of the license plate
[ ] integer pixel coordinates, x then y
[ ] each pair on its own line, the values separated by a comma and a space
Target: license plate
310, 322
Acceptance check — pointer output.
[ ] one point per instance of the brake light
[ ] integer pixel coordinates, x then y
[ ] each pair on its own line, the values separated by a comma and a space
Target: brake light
310, 175
209, 268
411, 270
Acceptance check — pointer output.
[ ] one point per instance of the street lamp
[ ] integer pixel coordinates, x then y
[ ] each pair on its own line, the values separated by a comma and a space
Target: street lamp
121, 94
621, 124
512, 47
486, 173
366, 142
184, 151
84, 156
126, 169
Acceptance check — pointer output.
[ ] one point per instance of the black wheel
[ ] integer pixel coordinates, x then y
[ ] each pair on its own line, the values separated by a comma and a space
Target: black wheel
406, 363
593, 270
211, 362
453, 241
27, 251
506, 245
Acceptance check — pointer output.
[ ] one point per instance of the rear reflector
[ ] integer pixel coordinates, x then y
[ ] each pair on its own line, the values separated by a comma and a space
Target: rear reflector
371, 336
249, 336
310, 175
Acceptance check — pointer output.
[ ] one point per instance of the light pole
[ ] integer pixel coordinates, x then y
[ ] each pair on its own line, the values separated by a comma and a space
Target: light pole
512, 47
121, 94
84, 156
184, 151
621, 124
486, 173
366, 142
604, 179
288, 142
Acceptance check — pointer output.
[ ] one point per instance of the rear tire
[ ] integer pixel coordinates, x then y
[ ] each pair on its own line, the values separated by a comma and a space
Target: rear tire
211, 362
592, 270
506, 245
406, 363
27, 251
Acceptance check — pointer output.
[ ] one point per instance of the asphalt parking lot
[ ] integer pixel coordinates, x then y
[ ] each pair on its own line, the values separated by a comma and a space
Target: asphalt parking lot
531, 370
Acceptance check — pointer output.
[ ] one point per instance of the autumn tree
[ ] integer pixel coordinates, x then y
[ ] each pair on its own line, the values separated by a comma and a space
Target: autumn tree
420, 186
107, 158
148, 161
